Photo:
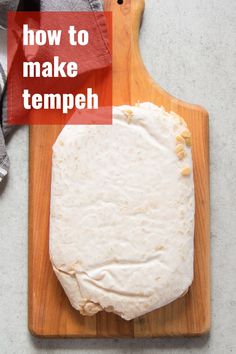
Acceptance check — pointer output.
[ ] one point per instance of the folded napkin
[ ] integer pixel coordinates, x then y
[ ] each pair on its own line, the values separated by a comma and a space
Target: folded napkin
5, 6
103, 55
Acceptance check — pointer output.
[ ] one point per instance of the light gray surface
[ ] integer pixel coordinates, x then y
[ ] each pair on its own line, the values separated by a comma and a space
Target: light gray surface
189, 48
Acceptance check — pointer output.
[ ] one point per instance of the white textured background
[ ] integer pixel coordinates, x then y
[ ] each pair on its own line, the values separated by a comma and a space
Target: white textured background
189, 47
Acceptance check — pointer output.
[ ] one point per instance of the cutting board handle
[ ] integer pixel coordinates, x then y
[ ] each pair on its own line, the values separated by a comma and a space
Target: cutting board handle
132, 8
130, 75
126, 21
137, 11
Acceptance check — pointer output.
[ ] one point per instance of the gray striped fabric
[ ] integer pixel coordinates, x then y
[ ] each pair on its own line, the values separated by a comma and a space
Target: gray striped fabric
3, 78
4, 160
45, 5
71, 5
5, 6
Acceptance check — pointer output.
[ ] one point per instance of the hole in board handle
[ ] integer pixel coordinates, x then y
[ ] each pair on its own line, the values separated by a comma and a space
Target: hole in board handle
120, 2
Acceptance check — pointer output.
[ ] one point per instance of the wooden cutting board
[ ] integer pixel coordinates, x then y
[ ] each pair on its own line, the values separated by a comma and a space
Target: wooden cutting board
50, 313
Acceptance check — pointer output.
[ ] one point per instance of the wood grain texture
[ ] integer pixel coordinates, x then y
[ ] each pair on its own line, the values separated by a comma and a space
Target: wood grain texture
50, 313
